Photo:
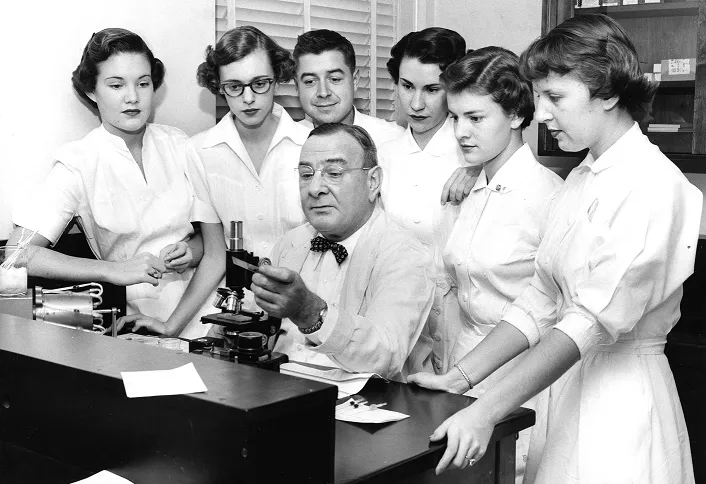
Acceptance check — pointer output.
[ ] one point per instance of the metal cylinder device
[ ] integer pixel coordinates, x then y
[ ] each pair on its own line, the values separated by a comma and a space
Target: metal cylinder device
235, 241
69, 309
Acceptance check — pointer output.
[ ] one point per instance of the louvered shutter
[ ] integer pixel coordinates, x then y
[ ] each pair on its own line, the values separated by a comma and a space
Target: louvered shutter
368, 24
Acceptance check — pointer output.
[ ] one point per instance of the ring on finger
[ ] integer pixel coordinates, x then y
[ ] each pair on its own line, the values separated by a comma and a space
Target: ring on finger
470, 460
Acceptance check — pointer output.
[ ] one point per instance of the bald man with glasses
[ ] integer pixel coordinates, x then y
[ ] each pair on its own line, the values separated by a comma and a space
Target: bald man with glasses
353, 288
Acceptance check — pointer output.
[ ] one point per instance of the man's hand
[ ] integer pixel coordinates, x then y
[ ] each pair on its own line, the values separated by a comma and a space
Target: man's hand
283, 294
176, 257
143, 267
459, 185
139, 320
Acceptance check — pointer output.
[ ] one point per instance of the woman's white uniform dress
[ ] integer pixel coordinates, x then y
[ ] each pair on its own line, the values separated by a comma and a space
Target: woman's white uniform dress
412, 182
268, 202
122, 212
620, 241
490, 254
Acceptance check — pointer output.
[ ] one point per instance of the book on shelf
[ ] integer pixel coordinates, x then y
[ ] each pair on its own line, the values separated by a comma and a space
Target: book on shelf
670, 128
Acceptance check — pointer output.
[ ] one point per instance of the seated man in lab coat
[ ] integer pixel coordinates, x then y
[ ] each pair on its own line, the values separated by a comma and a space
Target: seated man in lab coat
354, 286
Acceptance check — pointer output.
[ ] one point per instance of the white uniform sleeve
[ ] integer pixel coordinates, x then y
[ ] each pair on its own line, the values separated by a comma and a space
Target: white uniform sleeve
53, 204
535, 309
640, 254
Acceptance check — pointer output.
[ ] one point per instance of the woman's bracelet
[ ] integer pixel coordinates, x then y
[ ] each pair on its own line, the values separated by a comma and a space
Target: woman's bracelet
465, 377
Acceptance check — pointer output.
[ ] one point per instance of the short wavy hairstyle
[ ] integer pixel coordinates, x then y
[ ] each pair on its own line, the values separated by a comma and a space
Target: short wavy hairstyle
99, 48
492, 71
317, 42
434, 45
595, 49
362, 137
236, 44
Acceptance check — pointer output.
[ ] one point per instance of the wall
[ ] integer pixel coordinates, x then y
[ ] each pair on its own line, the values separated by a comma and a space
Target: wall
40, 45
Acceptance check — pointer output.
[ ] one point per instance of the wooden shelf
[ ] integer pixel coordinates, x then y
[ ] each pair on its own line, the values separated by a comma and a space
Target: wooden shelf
669, 9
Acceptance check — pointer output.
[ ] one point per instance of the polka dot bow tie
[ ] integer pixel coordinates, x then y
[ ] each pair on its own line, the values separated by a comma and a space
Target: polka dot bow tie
320, 244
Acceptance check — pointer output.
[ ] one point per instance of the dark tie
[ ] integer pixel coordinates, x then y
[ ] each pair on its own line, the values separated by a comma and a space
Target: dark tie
320, 244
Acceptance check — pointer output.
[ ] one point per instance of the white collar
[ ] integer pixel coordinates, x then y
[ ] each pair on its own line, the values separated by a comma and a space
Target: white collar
511, 174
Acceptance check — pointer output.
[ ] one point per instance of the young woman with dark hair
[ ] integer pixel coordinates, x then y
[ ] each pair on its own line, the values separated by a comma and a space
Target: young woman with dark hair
416, 166
126, 182
619, 242
490, 252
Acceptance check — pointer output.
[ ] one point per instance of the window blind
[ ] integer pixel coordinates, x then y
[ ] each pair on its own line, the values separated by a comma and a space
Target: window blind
370, 25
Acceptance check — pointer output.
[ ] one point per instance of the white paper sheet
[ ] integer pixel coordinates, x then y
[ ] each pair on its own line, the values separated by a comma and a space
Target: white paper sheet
366, 413
178, 381
348, 383
104, 477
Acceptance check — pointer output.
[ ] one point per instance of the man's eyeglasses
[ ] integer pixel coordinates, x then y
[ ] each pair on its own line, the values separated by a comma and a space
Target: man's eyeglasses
258, 86
330, 174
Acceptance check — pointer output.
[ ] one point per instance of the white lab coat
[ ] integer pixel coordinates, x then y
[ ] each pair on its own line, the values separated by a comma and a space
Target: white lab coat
620, 241
380, 131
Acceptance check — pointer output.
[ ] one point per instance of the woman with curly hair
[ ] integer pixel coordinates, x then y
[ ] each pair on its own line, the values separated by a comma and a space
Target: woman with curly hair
620, 240
125, 182
248, 159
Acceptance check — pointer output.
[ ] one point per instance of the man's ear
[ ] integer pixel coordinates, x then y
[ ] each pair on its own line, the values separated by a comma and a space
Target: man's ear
374, 182
610, 103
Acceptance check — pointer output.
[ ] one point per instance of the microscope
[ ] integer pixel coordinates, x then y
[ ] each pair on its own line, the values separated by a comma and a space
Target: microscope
248, 337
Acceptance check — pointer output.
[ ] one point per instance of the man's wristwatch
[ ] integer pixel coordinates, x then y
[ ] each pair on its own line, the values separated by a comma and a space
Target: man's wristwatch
319, 322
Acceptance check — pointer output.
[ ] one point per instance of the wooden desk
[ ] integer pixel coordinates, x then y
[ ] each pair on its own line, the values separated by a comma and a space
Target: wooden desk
68, 407
62, 397
401, 452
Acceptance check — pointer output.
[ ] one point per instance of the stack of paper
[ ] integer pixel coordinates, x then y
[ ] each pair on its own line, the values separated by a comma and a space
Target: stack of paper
348, 383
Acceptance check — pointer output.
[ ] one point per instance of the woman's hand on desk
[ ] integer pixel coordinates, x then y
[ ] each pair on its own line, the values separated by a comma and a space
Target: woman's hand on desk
176, 257
467, 435
143, 267
448, 382
139, 320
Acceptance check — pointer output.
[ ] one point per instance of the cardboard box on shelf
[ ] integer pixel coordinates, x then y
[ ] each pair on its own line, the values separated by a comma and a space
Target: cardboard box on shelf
679, 69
